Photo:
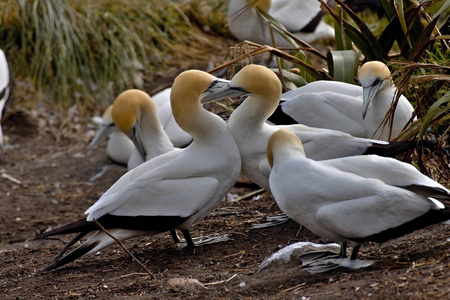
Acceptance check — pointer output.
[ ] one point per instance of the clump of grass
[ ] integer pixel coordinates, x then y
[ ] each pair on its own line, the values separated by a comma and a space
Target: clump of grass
85, 52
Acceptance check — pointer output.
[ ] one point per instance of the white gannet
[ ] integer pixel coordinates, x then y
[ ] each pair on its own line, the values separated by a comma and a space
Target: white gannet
5, 91
359, 111
173, 190
119, 146
134, 114
248, 125
177, 136
303, 18
354, 199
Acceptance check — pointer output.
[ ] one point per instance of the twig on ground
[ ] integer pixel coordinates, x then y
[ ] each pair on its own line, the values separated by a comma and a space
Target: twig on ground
123, 247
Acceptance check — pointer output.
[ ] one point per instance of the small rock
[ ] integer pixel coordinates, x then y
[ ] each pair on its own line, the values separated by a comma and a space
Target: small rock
185, 285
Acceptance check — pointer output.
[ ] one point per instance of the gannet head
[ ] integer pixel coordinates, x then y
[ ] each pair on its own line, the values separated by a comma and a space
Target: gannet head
127, 111
283, 139
251, 80
373, 76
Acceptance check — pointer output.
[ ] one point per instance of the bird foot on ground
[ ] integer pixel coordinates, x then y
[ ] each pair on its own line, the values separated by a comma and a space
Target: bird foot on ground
206, 240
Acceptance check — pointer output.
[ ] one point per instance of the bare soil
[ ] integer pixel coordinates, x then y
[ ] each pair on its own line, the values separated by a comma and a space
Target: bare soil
49, 179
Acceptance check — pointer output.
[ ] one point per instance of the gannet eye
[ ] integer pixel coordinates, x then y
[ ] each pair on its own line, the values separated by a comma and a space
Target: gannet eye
377, 81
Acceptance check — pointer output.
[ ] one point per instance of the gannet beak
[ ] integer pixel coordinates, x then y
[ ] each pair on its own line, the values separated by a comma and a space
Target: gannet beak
369, 93
221, 89
137, 140
102, 133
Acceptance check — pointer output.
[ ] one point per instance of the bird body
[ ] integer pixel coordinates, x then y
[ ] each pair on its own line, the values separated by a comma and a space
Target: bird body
342, 201
5, 91
248, 125
359, 111
173, 190
302, 18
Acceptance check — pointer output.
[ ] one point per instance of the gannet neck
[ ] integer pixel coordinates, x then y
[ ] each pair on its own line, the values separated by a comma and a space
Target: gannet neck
281, 144
265, 88
187, 109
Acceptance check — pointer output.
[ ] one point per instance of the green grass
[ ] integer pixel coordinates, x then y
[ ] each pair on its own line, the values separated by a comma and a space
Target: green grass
85, 52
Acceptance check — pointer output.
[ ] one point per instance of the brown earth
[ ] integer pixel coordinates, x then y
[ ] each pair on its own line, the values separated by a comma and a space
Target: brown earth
48, 180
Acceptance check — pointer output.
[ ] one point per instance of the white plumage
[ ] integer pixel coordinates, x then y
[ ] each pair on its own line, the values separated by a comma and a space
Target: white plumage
303, 18
353, 199
173, 190
359, 111
5, 91
248, 125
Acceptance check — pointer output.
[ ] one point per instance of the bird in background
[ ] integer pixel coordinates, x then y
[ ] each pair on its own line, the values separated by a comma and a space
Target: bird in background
303, 18
248, 125
357, 110
118, 147
353, 200
171, 191
5, 93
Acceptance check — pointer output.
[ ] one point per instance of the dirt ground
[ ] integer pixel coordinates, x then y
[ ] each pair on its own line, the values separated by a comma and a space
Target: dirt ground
50, 179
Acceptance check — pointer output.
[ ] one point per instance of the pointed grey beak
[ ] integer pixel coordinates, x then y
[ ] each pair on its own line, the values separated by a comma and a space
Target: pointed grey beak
137, 140
369, 93
104, 131
221, 89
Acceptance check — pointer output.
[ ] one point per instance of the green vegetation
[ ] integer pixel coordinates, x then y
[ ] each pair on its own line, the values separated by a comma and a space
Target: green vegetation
85, 52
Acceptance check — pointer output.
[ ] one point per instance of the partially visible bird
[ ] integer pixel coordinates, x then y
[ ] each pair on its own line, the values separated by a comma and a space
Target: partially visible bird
171, 191
119, 146
251, 132
302, 18
5, 91
355, 199
359, 111
134, 114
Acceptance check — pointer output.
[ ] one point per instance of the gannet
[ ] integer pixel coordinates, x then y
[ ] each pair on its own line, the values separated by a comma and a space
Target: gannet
5, 91
134, 114
353, 199
119, 146
173, 190
302, 18
359, 111
248, 125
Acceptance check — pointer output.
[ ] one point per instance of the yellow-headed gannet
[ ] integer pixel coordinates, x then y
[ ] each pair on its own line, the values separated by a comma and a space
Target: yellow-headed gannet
251, 132
353, 199
173, 190
359, 111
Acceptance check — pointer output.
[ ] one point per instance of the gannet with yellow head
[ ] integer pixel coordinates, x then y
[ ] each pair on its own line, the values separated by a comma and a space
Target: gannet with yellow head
173, 190
248, 125
359, 111
353, 199
134, 114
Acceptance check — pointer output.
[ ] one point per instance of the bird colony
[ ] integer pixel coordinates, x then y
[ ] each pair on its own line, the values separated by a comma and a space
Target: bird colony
321, 150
